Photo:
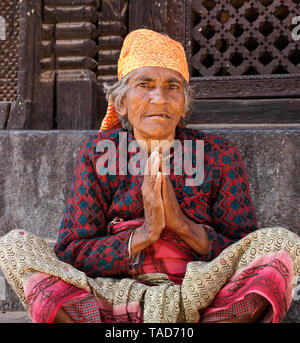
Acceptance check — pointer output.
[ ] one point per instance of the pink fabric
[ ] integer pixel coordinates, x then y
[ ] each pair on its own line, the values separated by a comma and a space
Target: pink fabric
90, 309
46, 294
244, 307
269, 276
169, 255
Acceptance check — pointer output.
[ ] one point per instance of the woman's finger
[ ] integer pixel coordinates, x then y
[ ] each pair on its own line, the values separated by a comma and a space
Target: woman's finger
157, 185
149, 163
155, 164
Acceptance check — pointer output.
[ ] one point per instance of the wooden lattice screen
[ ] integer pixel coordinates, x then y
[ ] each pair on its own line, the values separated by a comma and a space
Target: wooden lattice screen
243, 49
238, 37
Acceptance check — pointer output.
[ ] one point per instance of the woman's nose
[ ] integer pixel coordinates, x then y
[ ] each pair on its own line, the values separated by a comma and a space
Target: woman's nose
158, 96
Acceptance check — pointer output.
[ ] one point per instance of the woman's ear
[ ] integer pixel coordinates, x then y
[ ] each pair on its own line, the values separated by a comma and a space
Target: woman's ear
123, 110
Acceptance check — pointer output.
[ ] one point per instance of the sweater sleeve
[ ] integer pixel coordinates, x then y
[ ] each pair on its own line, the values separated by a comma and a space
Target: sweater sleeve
232, 211
83, 239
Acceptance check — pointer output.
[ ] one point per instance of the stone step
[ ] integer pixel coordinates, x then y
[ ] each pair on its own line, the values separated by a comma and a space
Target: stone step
15, 317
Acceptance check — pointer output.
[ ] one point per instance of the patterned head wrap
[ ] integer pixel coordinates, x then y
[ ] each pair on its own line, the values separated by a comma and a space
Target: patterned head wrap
146, 48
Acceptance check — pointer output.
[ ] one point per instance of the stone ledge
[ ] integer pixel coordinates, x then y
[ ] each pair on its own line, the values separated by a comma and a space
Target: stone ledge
249, 127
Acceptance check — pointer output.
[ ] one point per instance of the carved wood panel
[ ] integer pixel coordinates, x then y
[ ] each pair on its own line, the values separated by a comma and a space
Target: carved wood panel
69, 60
69, 35
159, 15
240, 48
112, 27
9, 12
21, 115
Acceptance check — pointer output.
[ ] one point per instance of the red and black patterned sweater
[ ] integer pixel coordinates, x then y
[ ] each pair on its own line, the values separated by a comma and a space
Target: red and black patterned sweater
222, 201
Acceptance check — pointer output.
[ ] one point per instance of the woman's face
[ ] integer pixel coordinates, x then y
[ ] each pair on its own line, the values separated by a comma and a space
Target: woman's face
154, 103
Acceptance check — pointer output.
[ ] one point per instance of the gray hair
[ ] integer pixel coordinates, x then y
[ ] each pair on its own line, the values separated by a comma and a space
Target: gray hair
117, 91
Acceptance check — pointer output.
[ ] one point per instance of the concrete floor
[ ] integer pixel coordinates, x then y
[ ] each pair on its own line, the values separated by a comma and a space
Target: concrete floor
14, 317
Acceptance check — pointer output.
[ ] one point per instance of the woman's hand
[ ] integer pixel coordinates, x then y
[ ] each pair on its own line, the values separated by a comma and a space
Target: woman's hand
152, 197
175, 218
192, 233
161, 209
154, 211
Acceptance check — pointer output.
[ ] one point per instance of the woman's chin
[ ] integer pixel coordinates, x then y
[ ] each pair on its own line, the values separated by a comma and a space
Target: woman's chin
158, 135
157, 131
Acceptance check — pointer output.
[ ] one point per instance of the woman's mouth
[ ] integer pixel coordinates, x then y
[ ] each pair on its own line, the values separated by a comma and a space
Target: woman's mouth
158, 115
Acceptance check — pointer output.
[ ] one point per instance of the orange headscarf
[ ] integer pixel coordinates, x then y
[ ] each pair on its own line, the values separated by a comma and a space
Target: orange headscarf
146, 48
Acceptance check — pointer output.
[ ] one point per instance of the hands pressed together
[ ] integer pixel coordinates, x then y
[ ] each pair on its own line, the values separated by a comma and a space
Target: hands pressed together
161, 209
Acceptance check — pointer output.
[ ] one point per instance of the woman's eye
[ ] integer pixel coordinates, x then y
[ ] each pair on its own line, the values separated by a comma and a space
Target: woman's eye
143, 84
173, 87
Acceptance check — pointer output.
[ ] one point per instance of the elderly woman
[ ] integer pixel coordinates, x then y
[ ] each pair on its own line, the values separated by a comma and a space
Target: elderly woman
150, 247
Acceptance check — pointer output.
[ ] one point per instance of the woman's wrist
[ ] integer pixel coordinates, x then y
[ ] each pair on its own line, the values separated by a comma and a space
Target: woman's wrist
142, 237
195, 236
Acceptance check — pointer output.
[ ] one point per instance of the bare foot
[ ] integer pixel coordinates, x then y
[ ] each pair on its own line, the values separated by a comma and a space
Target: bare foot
259, 312
63, 317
